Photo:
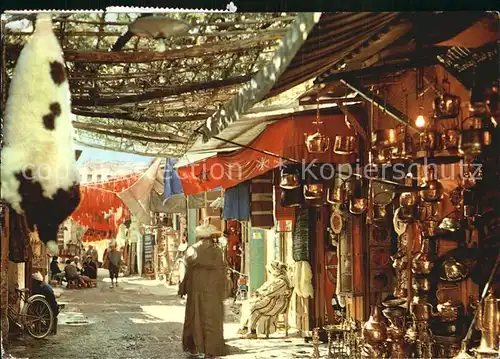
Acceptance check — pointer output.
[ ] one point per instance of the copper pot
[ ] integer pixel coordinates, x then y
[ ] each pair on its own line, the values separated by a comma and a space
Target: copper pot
289, 180
344, 145
358, 205
317, 142
408, 200
313, 191
337, 192
432, 189
446, 106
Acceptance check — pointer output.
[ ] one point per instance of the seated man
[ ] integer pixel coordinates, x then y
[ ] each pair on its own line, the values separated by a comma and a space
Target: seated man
55, 272
89, 268
270, 300
39, 287
72, 273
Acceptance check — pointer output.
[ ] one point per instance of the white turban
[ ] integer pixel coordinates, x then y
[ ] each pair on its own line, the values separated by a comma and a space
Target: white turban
37, 276
206, 231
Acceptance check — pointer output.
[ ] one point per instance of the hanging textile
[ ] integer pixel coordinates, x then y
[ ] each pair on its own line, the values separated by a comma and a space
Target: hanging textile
19, 237
281, 212
137, 196
301, 244
261, 207
237, 202
100, 209
171, 180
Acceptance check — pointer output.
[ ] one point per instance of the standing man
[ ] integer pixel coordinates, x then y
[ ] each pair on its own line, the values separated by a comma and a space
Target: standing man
92, 252
114, 260
204, 285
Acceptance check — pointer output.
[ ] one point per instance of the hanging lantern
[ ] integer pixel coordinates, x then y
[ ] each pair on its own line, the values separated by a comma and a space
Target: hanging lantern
384, 143
447, 105
358, 202
317, 142
475, 137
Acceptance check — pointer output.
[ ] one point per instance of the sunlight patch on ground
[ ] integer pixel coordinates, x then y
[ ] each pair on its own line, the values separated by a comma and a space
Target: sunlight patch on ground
160, 314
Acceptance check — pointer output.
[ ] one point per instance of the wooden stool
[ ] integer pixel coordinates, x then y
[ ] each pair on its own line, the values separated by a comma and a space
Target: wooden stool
73, 284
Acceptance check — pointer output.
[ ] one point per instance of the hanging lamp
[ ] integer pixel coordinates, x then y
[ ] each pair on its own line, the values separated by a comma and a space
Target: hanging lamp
317, 142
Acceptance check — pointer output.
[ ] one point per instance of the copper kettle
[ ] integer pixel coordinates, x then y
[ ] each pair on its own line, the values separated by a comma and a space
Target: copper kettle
317, 142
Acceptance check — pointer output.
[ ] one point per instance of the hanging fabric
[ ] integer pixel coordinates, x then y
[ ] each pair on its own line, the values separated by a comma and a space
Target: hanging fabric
301, 246
237, 202
171, 180
262, 201
19, 237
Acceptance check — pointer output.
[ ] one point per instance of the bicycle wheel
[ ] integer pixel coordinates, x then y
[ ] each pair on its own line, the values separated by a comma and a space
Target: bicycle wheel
38, 317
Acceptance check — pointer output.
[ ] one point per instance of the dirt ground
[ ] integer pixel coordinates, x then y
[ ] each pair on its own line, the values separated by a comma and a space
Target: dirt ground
139, 319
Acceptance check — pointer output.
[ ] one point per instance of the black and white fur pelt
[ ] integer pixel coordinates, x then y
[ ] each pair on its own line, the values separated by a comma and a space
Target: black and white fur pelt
38, 168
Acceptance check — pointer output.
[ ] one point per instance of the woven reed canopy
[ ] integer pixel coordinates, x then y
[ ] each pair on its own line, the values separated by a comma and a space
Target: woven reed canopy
148, 94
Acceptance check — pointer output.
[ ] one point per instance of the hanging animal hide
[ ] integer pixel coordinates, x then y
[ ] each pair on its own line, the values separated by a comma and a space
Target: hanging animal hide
39, 176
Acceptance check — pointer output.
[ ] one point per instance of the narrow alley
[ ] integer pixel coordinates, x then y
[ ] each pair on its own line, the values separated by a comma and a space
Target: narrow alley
139, 319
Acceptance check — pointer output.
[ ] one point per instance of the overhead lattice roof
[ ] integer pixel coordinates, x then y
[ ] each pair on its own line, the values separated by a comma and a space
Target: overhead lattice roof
129, 95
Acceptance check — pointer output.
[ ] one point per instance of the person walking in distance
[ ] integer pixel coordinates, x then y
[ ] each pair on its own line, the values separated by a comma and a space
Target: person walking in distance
114, 261
204, 285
